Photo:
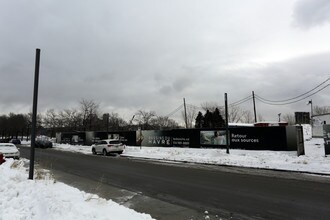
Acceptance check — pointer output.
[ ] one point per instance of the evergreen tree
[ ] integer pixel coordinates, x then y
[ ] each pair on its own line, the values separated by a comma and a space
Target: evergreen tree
207, 120
217, 120
199, 120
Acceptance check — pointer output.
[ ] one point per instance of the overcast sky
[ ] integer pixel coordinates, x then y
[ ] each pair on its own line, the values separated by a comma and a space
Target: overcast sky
129, 55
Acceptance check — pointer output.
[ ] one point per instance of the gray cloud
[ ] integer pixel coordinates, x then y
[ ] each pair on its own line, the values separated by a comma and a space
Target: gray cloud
309, 13
288, 79
131, 55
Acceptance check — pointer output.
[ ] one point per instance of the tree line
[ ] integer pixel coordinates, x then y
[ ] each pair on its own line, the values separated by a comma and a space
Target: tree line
88, 117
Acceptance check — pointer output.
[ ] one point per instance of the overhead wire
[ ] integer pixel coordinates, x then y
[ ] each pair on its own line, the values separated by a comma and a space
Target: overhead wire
263, 100
194, 107
286, 100
241, 101
287, 103
174, 111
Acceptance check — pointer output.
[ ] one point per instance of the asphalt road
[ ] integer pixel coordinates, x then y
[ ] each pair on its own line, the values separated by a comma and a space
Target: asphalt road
186, 191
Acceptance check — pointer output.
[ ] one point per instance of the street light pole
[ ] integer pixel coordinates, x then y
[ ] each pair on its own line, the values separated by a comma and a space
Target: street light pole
34, 113
311, 103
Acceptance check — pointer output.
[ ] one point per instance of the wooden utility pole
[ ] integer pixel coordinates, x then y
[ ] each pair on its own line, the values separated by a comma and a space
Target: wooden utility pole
254, 107
185, 112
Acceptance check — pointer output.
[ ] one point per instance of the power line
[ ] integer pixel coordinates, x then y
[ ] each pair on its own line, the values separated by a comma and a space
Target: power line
263, 100
194, 107
203, 109
286, 100
287, 103
174, 111
239, 102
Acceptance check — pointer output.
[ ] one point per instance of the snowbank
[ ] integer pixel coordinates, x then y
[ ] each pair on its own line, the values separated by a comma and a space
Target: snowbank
45, 198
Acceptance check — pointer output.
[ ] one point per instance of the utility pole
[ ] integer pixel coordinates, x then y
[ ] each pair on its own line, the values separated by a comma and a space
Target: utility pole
227, 129
185, 112
34, 113
254, 107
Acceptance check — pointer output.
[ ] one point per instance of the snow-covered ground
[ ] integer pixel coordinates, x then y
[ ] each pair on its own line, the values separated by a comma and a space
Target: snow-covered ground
44, 198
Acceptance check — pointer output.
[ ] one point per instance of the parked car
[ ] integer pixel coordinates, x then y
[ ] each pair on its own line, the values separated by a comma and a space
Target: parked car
9, 150
43, 143
15, 141
105, 147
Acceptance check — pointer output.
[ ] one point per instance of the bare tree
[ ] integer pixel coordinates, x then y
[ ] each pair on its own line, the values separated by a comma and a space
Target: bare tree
144, 118
51, 120
289, 118
319, 110
28, 118
89, 110
164, 122
211, 106
71, 119
12, 125
191, 116
247, 117
115, 122
235, 114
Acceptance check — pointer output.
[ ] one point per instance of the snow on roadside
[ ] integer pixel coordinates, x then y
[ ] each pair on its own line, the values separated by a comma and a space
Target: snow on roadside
47, 199
313, 161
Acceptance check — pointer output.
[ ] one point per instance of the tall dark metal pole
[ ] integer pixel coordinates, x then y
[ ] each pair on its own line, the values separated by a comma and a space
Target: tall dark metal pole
34, 113
311, 117
311, 101
227, 129
254, 107
185, 112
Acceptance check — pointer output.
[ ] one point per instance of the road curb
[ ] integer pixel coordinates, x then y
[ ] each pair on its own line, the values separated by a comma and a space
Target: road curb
233, 166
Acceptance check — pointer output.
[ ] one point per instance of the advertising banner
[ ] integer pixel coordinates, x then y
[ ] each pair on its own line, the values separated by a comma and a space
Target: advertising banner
258, 138
154, 138
73, 137
214, 137
185, 138
126, 137
180, 141
326, 136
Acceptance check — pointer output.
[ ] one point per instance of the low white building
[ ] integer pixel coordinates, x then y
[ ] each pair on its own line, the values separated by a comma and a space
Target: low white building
318, 122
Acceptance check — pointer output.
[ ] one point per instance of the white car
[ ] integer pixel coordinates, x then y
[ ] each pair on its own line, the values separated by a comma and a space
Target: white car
9, 150
105, 147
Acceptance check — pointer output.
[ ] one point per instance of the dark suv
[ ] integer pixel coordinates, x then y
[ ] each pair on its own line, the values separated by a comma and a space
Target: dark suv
15, 141
42, 143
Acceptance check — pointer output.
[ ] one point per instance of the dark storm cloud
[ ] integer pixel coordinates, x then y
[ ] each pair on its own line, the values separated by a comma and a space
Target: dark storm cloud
309, 13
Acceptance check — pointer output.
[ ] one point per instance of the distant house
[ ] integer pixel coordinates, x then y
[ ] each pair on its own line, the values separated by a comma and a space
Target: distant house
318, 122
